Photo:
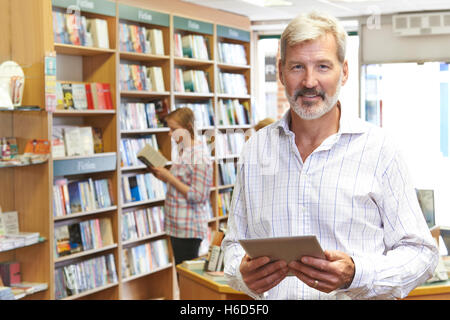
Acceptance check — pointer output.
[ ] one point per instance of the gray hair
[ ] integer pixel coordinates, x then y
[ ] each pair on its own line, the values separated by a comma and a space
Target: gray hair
311, 26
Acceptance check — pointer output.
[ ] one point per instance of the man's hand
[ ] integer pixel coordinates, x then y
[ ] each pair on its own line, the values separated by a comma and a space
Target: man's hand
336, 272
259, 275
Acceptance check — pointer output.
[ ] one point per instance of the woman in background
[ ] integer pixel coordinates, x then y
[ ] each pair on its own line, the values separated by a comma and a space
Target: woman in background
188, 185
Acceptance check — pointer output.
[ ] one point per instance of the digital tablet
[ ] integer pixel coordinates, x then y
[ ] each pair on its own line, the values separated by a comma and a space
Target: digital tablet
283, 248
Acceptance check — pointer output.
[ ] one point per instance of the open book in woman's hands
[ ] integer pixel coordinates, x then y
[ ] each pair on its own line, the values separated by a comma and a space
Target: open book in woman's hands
151, 157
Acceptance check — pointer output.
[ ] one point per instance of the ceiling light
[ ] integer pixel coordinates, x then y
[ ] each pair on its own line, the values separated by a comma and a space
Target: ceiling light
269, 3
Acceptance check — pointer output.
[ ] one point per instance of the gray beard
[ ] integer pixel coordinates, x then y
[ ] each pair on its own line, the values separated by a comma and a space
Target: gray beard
307, 111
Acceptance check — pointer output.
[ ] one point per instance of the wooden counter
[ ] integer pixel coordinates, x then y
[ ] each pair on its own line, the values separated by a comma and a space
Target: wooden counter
194, 285
431, 291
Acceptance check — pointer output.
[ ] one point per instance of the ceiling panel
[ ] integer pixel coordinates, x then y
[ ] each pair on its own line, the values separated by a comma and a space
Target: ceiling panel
336, 8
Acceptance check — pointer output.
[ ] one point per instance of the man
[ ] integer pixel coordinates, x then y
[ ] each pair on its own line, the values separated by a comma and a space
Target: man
317, 171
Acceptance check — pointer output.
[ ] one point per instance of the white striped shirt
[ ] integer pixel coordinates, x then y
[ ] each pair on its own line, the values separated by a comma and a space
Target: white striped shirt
353, 192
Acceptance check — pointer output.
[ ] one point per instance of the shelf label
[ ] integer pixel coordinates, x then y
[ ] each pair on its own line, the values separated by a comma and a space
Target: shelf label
192, 25
65, 167
233, 33
103, 7
143, 15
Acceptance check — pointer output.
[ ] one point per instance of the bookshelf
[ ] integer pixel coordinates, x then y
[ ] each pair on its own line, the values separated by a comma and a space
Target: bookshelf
107, 64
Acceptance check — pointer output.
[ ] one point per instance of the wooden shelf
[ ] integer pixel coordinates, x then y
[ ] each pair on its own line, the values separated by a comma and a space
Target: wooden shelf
189, 62
144, 94
134, 56
140, 203
84, 214
89, 292
69, 49
137, 276
81, 254
78, 113
232, 67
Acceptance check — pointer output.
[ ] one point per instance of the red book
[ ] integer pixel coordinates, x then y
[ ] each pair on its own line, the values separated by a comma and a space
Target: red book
100, 95
89, 99
10, 272
108, 97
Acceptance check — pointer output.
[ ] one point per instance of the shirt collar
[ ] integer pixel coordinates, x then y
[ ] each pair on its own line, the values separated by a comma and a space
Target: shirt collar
347, 123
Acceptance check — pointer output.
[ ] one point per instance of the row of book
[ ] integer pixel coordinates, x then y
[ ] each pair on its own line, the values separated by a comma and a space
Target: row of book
83, 236
130, 147
232, 53
191, 81
232, 83
11, 277
134, 38
233, 112
142, 222
85, 275
83, 96
76, 141
230, 143
74, 196
69, 28
203, 113
145, 258
224, 202
142, 187
227, 173
141, 78
191, 46
139, 116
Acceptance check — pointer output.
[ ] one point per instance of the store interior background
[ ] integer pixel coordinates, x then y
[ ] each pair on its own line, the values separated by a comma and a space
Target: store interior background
398, 82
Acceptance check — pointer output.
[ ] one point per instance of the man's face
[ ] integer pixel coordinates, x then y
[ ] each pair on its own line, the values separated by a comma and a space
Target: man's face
312, 76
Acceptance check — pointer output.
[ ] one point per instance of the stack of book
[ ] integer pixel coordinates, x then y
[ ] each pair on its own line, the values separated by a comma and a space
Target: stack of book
77, 196
83, 96
232, 53
78, 30
191, 46
145, 258
83, 236
142, 222
10, 235
142, 187
203, 113
141, 78
191, 81
232, 84
83, 276
232, 112
134, 38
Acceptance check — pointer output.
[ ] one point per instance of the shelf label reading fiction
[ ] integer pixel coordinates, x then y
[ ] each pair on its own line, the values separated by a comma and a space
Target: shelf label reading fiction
103, 7
65, 167
233, 33
192, 25
143, 15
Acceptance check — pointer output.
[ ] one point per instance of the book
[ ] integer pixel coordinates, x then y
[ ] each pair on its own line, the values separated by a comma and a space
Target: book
98, 140
10, 272
62, 241
10, 222
151, 157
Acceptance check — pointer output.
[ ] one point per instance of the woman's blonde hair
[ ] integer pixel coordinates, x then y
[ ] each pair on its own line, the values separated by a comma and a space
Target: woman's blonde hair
263, 123
185, 118
311, 26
